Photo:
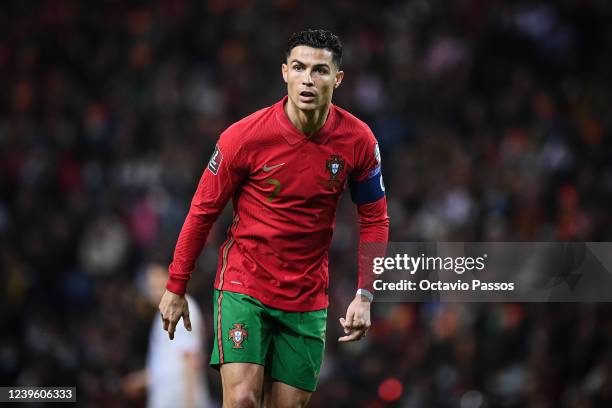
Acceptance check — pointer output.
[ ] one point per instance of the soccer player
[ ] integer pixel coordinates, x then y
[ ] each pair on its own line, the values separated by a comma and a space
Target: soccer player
285, 167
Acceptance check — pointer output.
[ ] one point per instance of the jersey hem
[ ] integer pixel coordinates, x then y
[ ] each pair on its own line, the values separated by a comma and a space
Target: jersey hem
284, 306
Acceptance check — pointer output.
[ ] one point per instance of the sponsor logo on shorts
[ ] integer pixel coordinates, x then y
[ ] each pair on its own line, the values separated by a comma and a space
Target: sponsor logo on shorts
238, 334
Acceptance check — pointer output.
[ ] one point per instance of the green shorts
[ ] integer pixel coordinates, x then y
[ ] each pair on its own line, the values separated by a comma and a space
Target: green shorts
289, 344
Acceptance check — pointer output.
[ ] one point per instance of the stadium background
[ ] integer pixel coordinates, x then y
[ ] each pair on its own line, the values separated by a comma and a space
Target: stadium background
494, 123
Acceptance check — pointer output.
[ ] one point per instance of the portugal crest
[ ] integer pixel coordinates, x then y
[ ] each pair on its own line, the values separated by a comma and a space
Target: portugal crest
334, 166
238, 334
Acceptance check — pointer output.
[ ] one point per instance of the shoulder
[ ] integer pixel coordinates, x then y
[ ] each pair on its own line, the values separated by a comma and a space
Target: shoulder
358, 129
366, 152
247, 129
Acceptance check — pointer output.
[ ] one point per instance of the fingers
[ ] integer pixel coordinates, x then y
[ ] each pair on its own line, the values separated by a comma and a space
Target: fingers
343, 324
186, 319
356, 324
170, 323
172, 329
187, 322
353, 336
165, 321
174, 322
354, 329
348, 323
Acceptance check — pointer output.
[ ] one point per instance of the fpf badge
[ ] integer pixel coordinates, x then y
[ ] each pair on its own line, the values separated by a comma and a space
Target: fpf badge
238, 334
334, 166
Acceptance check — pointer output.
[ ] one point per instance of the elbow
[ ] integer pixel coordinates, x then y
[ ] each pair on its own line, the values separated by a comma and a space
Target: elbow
203, 214
380, 221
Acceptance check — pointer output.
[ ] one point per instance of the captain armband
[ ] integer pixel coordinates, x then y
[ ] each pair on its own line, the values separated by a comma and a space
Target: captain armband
369, 190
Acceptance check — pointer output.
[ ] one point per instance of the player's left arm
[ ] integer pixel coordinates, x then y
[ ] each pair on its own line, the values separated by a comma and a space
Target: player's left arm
368, 193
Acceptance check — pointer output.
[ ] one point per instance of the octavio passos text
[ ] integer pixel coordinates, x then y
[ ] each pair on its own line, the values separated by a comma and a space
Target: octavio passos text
458, 265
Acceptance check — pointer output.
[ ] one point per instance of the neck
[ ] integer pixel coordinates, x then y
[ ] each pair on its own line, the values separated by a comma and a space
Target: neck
307, 122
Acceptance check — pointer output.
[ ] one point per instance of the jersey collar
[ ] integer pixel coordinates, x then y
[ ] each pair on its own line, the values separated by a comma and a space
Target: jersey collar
294, 136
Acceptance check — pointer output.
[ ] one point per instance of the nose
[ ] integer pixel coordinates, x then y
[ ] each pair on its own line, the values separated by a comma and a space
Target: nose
307, 78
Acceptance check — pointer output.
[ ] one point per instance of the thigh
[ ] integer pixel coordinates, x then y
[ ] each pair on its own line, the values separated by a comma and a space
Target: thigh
241, 330
297, 349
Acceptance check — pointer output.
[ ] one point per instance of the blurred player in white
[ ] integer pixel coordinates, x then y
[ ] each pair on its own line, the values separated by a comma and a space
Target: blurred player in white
174, 376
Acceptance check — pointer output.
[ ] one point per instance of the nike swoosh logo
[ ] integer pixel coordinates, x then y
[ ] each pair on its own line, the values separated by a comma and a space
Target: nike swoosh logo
270, 168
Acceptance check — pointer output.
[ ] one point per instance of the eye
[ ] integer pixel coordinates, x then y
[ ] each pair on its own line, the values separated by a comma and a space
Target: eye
298, 67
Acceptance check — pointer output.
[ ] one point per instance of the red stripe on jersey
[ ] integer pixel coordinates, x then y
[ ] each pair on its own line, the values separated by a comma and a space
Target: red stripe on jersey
224, 264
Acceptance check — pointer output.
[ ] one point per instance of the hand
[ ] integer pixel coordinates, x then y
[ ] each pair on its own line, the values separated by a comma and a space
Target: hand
357, 322
172, 307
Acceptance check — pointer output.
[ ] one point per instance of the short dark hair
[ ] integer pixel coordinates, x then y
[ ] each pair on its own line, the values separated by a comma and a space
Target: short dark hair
317, 39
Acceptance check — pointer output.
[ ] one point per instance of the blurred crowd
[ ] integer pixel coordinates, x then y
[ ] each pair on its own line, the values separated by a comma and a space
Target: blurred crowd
494, 125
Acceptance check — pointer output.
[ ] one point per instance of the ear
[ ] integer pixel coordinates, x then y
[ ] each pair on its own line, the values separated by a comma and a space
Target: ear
284, 71
339, 78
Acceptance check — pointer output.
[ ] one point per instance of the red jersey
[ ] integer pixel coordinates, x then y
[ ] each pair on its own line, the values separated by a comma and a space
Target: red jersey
285, 188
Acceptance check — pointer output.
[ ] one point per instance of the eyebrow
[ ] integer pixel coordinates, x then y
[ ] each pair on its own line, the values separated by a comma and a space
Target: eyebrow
316, 65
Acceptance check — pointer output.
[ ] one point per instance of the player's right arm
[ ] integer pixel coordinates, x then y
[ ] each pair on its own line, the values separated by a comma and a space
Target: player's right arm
225, 171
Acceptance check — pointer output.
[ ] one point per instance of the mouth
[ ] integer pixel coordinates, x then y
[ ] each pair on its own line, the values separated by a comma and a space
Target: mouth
307, 96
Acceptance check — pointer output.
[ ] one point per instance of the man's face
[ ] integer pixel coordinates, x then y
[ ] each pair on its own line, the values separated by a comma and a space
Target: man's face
311, 77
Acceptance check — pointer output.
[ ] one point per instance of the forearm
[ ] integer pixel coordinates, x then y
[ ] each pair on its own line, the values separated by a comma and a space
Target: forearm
373, 237
189, 245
